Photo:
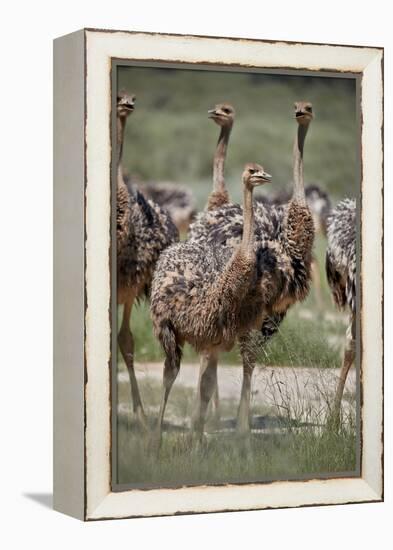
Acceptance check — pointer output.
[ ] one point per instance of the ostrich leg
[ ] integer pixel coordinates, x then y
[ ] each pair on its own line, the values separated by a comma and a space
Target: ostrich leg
126, 345
248, 353
216, 406
207, 387
171, 370
207, 359
349, 357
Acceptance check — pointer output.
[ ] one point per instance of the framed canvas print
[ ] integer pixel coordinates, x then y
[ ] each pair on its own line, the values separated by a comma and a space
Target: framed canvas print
218, 274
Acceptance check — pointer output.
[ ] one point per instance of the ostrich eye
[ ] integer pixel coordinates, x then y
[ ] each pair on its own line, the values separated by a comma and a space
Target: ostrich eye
226, 111
252, 171
309, 109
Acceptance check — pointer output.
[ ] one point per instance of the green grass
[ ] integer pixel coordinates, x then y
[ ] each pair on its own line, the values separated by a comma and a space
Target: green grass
225, 459
300, 449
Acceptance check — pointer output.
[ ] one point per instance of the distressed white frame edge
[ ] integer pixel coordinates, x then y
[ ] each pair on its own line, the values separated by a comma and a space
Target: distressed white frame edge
68, 274
101, 46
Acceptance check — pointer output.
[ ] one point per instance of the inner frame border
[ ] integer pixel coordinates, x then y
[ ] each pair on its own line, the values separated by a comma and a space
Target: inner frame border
117, 63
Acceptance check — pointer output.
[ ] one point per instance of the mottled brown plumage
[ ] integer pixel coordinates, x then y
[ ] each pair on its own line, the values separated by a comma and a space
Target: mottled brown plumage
205, 295
143, 231
146, 231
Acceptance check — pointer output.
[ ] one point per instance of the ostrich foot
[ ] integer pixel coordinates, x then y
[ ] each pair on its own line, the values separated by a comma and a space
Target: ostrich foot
333, 422
215, 420
141, 420
243, 431
198, 441
243, 424
196, 436
243, 438
154, 443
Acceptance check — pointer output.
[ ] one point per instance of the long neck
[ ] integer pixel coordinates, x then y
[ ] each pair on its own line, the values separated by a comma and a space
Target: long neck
248, 221
219, 159
298, 177
121, 124
298, 234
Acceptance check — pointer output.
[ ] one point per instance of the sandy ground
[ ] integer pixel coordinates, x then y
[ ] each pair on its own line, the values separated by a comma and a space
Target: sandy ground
299, 392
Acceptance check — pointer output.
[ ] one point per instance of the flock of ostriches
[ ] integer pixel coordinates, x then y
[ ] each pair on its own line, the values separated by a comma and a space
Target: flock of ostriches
238, 272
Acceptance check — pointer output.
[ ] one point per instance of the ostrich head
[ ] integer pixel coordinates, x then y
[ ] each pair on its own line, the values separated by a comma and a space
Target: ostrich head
303, 112
125, 104
255, 175
223, 114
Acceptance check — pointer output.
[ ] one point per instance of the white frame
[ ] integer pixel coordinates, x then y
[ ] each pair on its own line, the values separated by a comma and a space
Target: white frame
99, 47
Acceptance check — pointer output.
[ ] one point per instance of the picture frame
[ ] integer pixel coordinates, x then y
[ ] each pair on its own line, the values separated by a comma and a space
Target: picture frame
84, 342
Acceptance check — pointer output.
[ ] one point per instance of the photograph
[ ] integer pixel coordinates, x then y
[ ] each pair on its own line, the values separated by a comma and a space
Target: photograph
236, 240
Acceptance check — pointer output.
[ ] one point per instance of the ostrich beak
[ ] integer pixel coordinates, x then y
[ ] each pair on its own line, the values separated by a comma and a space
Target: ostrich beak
261, 177
265, 176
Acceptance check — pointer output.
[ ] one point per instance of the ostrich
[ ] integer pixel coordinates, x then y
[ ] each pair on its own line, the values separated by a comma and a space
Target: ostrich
207, 296
143, 232
341, 276
285, 235
223, 114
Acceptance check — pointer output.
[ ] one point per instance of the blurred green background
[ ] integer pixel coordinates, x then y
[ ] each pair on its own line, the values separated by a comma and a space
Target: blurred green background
169, 136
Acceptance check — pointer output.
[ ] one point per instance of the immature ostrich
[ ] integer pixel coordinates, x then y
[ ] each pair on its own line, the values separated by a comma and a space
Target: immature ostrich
285, 236
341, 275
206, 296
223, 114
143, 232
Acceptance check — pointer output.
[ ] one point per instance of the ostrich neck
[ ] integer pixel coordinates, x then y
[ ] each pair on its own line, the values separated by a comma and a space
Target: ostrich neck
219, 159
298, 177
121, 124
298, 236
248, 221
122, 188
